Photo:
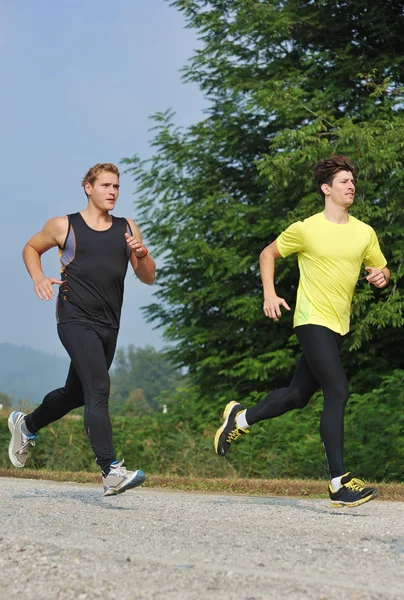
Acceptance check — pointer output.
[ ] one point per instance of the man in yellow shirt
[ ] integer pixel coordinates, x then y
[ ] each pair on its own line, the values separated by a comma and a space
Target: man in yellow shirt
331, 248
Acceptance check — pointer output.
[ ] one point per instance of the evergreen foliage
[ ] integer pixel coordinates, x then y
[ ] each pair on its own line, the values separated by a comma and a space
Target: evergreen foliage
142, 379
288, 83
5, 401
180, 442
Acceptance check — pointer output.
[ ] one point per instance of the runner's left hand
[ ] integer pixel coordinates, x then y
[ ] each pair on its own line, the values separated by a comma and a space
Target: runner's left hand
135, 246
376, 277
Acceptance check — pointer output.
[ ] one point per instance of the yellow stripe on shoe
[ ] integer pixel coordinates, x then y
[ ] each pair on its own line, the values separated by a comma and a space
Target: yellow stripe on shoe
352, 492
229, 431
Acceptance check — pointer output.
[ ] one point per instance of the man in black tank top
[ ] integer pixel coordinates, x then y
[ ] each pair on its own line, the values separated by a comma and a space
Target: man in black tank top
94, 248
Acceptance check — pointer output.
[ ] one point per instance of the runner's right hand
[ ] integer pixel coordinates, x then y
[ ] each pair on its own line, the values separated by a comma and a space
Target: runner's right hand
272, 307
43, 287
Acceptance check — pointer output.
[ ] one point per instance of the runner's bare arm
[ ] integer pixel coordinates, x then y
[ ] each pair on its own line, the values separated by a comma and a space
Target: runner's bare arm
141, 261
53, 234
272, 302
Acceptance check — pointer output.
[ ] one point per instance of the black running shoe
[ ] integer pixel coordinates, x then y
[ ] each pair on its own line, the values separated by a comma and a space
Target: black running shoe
229, 431
352, 492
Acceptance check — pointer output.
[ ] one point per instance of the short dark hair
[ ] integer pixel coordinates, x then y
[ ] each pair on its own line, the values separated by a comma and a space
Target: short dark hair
325, 170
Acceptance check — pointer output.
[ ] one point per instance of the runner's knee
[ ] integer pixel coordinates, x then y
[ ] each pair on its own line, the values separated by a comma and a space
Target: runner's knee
297, 400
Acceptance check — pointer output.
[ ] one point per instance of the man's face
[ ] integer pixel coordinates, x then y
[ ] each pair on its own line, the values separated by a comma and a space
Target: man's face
105, 190
342, 189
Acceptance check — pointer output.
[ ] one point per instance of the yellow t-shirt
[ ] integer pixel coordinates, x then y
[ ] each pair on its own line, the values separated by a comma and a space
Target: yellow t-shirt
330, 257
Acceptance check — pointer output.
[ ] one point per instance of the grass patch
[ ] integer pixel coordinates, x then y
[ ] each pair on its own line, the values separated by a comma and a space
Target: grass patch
300, 488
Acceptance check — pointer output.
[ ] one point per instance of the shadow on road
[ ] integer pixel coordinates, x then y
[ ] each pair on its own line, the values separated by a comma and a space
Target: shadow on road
296, 504
86, 497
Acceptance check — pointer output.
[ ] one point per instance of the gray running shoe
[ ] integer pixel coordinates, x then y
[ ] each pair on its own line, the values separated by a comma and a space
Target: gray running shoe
119, 479
20, 443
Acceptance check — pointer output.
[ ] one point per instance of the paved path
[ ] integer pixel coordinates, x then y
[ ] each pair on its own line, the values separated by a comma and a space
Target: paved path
65, 541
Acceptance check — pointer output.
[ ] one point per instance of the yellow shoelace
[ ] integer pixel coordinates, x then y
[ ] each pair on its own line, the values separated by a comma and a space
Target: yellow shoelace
355, 484
233, 435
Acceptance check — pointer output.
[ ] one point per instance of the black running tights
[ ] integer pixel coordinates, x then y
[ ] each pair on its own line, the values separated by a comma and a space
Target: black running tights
91, 349
319, 367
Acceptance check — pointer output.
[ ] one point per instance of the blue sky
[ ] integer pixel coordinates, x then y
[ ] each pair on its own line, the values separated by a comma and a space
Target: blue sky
79, 82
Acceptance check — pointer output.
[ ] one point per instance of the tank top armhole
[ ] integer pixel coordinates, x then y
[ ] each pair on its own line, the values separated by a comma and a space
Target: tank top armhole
67, 233
128, 230
128, 227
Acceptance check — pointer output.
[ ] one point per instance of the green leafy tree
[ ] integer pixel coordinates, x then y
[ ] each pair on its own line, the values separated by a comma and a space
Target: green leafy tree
136, 403
288, 83
141, 377
5, 401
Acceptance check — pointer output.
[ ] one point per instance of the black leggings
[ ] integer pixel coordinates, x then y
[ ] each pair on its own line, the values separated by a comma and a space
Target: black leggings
319, 367
91, 349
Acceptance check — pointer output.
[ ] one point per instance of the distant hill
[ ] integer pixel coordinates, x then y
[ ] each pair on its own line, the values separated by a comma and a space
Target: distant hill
28, 374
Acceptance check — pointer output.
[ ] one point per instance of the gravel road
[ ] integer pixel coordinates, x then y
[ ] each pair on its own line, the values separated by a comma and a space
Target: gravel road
65, 541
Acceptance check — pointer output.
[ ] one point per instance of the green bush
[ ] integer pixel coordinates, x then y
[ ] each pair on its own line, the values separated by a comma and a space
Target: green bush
181, 441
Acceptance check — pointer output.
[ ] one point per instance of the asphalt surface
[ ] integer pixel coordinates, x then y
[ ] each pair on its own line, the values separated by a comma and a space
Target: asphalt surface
65, 541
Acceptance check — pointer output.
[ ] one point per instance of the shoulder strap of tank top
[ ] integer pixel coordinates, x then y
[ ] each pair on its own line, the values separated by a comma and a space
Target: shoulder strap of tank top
128, 227
74, 218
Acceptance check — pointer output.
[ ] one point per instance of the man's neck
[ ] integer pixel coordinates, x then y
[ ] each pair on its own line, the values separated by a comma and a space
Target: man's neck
95, 218
335, 213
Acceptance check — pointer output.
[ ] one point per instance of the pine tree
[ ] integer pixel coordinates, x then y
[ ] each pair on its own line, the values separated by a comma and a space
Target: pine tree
288, 83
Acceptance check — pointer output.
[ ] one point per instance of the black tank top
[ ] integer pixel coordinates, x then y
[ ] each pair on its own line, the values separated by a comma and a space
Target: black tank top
93, 269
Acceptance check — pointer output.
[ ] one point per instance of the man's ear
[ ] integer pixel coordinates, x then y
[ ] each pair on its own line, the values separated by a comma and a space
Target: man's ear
325, 188
87, 188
